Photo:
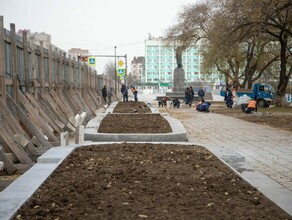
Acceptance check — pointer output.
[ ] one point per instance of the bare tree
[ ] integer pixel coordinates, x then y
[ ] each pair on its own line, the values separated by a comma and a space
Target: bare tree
109, 69
242, 39
189, 29
242, 60
270, 19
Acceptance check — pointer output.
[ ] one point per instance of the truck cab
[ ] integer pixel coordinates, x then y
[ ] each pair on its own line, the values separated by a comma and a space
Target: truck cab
262, 93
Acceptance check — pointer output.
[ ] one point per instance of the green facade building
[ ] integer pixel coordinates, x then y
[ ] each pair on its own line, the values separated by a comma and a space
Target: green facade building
160, 62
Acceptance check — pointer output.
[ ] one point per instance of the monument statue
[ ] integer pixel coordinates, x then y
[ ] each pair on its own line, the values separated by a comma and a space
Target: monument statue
178, 56
179, 73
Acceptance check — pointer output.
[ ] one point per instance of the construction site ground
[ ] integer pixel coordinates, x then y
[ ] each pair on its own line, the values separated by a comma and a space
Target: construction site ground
136, 180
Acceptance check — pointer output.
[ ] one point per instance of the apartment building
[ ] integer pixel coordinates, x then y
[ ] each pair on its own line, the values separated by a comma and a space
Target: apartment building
137, 68
38, 38
160, 62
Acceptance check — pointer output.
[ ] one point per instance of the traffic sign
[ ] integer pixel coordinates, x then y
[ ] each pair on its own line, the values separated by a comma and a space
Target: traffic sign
120, 63
91, 61
121, 71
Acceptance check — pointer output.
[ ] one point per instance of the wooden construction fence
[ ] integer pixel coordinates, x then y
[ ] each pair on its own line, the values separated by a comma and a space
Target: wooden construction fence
43, 94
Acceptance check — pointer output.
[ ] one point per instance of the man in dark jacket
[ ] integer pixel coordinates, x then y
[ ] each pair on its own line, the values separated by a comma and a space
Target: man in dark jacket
228, 98
104, 93
203, 106
124, 91
191, 95
201, 93
187, 95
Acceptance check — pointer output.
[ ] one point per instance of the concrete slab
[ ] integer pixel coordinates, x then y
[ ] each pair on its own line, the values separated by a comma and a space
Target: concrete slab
55, 155
270, 188
18, 192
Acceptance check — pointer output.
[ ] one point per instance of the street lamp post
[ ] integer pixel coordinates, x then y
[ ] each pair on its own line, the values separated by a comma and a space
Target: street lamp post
78, 77
115, 70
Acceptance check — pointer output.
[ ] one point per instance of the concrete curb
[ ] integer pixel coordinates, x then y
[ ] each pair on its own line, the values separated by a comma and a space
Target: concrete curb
281, 196
110, 108
178, 132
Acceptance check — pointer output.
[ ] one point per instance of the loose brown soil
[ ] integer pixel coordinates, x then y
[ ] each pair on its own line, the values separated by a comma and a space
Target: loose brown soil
134, 123
131, 107
276, 117
146, 181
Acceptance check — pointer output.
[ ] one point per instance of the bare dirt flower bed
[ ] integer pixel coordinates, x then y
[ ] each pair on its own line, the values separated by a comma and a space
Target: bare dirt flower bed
131, 107
146, 181
134, 123
139, 120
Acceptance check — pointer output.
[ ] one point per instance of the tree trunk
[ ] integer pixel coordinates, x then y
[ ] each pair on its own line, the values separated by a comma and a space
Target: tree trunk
284, 79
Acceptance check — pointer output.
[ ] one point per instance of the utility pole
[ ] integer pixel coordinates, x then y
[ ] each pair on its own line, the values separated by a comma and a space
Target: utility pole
116, 70
82, 57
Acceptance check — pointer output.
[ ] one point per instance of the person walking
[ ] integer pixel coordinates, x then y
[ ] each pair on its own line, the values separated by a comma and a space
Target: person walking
201, 93
109, 95
228, 98
187, 95
124, 91
104, 93
135, 93
191, 96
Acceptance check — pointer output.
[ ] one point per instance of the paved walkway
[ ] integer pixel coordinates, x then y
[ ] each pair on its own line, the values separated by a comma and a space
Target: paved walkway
260, 154
266, 149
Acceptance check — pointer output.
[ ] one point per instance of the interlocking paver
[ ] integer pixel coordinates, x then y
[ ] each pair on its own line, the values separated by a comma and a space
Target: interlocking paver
267, 151
265, 148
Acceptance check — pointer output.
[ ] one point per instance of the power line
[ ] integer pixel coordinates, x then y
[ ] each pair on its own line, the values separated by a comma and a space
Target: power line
105, 48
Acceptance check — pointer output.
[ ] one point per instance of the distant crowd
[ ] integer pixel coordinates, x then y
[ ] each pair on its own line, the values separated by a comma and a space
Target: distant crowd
201, 105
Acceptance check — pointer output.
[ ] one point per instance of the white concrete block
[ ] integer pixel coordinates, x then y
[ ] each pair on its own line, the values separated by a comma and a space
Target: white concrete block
82, 116
64, 136
1, 165
79, 136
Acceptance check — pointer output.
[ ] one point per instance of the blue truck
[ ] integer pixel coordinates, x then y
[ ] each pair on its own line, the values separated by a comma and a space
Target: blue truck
262, 93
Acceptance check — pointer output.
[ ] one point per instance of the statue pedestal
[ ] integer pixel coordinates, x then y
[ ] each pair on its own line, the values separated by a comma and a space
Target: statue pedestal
178, 80
178, 90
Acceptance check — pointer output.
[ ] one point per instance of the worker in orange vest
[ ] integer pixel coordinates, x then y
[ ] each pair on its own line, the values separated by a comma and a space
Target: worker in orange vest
251, 106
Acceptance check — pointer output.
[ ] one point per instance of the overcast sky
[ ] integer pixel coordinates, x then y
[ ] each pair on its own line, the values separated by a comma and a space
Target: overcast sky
96, 25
